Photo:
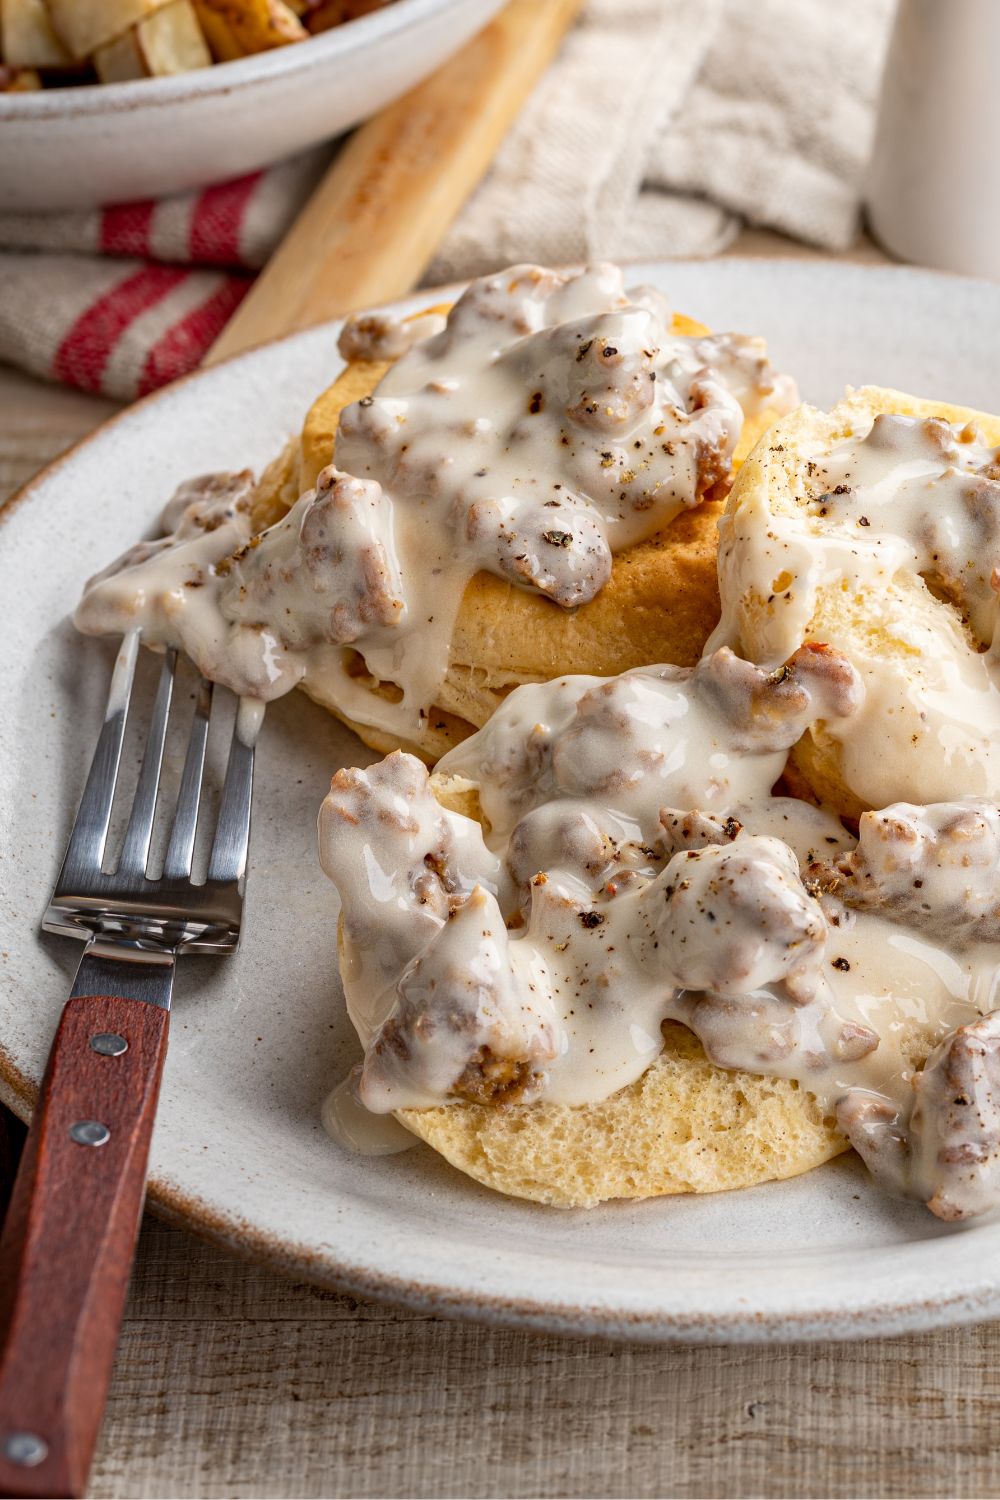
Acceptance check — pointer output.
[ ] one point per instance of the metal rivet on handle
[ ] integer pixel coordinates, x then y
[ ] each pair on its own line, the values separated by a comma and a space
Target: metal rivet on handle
25, 1448
90, 1133
109, 1044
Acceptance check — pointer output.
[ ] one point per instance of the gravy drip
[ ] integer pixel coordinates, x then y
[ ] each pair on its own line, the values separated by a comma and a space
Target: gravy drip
346, 1121
634, 866
549, 423
908, 504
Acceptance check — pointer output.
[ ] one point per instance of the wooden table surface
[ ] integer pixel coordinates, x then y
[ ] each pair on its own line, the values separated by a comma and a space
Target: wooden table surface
231, 1381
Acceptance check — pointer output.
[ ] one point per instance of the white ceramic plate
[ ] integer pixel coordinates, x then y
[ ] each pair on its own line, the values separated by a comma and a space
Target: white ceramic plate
77, 147
258, 1039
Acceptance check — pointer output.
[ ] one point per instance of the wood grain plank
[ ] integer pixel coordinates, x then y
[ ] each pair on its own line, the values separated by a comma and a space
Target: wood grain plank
39, 421
231, 1381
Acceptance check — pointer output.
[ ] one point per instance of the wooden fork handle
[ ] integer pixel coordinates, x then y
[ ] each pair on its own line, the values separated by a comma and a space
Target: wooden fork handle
69, 1239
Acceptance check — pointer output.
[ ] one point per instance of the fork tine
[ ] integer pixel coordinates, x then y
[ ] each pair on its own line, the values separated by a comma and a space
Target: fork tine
135, 849
180, 850
90, 831
232, 835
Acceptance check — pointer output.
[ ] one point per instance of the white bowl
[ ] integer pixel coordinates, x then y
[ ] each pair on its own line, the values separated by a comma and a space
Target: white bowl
118, 142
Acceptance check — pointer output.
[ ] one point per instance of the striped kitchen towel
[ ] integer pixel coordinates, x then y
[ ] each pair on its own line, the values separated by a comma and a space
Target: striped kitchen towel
122, 300
735, 111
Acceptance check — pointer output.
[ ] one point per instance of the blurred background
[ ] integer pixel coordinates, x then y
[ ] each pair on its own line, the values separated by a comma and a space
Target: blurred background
660, 128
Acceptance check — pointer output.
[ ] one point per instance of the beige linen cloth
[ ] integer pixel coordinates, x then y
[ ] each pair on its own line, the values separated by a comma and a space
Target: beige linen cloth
666, 123
661, 126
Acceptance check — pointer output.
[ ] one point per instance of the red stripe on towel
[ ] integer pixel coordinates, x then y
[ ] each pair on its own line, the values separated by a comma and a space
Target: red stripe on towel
217, 221
83, 354
125, 229
185, 345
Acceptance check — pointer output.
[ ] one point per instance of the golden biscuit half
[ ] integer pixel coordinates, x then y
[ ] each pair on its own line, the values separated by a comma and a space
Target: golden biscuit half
660, 604
895, 632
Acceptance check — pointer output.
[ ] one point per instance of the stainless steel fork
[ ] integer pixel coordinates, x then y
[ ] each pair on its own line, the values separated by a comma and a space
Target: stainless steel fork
70, 1233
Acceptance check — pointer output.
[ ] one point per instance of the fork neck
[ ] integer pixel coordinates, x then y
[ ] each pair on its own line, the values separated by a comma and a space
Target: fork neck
129, 972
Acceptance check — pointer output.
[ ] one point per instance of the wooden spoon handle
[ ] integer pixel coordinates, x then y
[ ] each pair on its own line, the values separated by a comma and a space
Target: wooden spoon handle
373, 224
69, 1238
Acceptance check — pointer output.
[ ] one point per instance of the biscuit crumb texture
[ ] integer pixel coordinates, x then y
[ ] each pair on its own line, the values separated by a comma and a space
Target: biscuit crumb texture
685, 1126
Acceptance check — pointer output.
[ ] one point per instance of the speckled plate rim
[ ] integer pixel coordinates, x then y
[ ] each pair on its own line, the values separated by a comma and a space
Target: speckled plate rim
875, 1310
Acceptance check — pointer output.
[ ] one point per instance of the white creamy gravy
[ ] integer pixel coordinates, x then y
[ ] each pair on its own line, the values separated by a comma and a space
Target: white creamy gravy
347, 1121
637, 868
906, 499
551, 422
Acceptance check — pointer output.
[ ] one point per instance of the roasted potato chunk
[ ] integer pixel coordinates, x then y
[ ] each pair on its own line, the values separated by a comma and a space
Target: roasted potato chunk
325, 14
18, 80
27, 39
235, 28
169, 41
85, 25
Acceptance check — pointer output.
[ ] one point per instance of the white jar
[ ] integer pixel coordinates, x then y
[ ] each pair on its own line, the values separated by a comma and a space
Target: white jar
934, 180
